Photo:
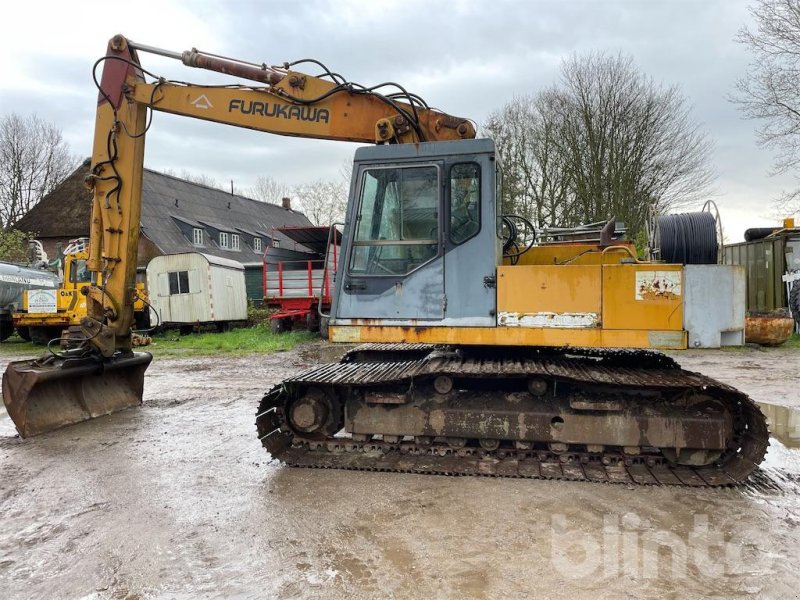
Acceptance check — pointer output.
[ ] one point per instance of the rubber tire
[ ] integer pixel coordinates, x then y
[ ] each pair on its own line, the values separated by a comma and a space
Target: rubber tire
323, 327
6, 329
41, 336
24, 333
280, 325
312, 321
141, 320
794, 302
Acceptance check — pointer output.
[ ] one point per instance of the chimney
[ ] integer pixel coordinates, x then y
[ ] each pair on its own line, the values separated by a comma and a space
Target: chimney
287, 203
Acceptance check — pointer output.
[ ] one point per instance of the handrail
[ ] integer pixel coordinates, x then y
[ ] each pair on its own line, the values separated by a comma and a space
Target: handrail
325, 278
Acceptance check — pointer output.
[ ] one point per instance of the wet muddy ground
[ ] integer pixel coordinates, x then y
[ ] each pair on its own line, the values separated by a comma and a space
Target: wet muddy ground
178, 499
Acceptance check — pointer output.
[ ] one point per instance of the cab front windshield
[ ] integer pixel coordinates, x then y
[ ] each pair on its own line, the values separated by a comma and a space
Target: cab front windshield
397, 224
78, 273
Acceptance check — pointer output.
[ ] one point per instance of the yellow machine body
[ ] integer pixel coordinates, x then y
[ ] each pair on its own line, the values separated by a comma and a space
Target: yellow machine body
70, 305
579, 295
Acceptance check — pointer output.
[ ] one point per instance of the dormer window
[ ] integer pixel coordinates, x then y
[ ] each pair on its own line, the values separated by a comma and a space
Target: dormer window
234, 241
256, 244
223, 239
197, 236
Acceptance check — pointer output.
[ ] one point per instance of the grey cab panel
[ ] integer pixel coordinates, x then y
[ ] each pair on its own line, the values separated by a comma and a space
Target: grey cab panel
420, 235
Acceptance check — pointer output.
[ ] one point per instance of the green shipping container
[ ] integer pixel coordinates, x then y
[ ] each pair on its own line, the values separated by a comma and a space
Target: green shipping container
765, 263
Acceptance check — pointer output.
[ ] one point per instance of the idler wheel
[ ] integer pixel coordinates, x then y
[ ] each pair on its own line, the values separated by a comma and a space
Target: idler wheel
309, 413
443, 384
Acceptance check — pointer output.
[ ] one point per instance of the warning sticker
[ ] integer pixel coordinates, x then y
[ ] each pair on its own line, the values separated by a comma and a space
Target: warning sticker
658, 285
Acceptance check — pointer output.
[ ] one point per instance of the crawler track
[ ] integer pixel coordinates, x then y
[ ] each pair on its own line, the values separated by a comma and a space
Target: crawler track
395, 372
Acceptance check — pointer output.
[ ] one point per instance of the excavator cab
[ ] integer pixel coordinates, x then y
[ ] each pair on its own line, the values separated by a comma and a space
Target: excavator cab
423, 246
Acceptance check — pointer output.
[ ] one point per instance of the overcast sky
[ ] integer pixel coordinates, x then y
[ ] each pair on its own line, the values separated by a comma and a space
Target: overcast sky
467, 58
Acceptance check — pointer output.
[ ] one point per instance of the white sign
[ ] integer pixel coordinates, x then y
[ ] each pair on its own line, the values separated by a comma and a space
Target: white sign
42, 301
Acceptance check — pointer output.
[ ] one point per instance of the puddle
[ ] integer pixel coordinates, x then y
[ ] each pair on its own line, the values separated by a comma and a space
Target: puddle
784, 423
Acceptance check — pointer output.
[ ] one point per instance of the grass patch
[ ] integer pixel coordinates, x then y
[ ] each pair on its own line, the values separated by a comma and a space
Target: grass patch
249, 340
793, 342
16, 346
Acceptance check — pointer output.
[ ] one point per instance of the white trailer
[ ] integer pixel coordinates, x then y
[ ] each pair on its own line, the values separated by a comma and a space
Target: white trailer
192, 288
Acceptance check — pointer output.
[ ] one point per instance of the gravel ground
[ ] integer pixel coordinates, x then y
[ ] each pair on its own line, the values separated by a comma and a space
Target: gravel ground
178, 499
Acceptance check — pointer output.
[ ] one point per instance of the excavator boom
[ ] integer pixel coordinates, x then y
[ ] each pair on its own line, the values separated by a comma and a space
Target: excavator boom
102, 374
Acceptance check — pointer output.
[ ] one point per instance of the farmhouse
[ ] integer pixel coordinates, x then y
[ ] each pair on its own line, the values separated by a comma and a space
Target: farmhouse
177, 216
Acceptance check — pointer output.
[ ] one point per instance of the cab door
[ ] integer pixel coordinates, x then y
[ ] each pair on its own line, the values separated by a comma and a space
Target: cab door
394, 267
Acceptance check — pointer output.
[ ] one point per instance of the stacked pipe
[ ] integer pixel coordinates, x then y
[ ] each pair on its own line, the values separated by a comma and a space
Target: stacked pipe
688, 238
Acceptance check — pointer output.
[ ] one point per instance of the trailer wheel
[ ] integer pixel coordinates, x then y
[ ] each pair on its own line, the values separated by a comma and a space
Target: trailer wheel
323, 327
24, 333
312, 321
280, 325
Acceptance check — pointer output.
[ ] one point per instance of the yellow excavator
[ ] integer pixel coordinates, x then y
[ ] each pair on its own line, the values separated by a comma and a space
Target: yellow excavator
43, 323
483, 352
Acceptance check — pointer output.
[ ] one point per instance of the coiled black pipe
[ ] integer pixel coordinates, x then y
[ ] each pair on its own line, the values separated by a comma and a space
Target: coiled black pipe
688, 238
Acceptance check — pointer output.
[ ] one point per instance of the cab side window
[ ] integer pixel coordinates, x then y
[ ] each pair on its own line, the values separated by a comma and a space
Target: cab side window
465, 201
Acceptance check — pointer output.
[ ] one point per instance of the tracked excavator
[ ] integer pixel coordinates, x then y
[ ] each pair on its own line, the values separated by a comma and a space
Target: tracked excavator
480, 352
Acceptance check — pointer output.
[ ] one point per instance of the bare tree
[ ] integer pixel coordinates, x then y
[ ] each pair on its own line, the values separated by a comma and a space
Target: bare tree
323, 202
269, 190
770, 90
605, 141
201, 179
33, 159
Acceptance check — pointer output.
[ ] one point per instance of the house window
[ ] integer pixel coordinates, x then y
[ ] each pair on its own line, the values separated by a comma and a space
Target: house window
234, 241
276, 243
197, 236
223, 240
178, 282
256, 244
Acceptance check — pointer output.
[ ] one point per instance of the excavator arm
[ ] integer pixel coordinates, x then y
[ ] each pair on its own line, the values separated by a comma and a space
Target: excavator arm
285, 102
103, 374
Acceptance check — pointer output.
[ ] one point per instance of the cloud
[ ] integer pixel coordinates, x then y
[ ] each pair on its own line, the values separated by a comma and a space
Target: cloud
466, 58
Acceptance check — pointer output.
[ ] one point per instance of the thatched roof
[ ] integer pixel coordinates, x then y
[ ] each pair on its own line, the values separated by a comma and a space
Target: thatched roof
64, 212
166, 201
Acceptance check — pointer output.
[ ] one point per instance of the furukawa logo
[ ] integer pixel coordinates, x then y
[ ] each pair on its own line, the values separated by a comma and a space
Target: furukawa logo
202, 101
279, 111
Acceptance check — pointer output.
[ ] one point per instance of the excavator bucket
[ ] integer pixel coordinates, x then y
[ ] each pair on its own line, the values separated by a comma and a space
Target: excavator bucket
52, 392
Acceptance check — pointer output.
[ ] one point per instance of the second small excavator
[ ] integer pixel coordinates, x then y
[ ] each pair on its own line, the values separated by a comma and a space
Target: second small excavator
484, 353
